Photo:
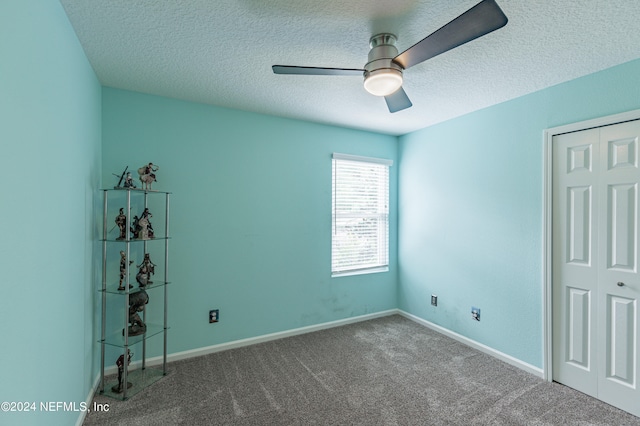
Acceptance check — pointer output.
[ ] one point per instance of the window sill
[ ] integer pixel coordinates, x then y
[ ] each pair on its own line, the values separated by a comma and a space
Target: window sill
360, 272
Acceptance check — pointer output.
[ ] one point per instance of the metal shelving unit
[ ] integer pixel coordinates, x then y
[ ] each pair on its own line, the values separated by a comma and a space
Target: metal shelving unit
114, 331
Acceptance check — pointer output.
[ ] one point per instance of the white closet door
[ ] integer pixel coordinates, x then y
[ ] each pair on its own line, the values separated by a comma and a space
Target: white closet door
575, 273
618, 277
596, 284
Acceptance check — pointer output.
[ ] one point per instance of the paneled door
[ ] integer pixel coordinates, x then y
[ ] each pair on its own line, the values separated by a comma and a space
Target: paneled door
596, 283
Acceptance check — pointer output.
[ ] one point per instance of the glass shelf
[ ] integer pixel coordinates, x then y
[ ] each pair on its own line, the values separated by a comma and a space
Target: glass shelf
133, 240
142, 201
156, 284
117, 339
137, 190
138, 378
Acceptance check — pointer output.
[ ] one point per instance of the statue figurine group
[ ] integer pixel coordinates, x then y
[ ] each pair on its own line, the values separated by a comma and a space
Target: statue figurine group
145, 270
140, 298
141, 230
137, 301
141, 227
147, 174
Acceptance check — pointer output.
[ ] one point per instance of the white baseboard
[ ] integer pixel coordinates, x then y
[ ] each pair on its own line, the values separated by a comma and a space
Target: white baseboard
536, 371
92, 392
253, 340
155, 361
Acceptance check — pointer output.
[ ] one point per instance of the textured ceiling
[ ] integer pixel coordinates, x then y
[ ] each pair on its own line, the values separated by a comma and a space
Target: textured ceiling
220, 52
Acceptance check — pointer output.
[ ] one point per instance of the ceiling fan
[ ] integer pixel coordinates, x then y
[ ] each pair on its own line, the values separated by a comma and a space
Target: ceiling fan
383, 72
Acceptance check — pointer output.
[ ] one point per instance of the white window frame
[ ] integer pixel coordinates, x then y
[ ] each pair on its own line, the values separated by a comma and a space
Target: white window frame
344, 262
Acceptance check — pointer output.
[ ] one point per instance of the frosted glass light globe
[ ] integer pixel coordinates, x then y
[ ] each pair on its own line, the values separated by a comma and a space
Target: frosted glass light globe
383, 82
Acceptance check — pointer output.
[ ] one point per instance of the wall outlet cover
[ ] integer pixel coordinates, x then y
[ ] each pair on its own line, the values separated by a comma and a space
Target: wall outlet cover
475, 313
214, 316
434, 300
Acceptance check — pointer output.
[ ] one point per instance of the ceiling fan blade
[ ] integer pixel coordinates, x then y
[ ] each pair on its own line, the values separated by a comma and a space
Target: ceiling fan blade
480, 20
398, 100
291, 69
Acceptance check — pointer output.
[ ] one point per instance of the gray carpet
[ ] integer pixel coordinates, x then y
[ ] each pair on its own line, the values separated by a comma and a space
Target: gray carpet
387, 371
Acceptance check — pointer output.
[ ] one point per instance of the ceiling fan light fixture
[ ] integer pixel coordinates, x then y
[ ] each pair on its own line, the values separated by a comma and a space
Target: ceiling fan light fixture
383, 71
383, 82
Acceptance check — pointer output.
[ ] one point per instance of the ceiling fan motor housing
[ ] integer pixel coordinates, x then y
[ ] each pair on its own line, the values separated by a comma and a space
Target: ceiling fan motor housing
381, 55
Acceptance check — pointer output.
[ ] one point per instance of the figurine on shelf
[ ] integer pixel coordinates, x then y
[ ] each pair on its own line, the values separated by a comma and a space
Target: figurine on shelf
120, 178
148, 175
128, 181
142, 228
135, 230
147, 268
146, 214
120, 364
123, 269
137, 301
121, 222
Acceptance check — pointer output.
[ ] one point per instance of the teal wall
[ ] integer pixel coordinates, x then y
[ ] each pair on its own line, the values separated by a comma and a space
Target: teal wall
471, 210
250, 215
251, 212
50, 136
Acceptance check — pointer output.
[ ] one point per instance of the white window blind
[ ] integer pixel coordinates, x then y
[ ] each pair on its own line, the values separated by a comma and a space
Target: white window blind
360, 217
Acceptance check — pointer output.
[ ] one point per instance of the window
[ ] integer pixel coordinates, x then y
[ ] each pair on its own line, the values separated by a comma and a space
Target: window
360, 215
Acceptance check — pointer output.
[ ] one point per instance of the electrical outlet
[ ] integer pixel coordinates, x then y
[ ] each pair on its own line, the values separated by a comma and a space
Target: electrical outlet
475, 313
434, 300
214, 316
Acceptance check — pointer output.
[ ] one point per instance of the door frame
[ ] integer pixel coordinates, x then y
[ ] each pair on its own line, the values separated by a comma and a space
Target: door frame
547, 238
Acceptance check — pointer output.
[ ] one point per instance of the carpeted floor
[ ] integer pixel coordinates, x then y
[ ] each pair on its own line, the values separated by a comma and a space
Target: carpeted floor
387, 371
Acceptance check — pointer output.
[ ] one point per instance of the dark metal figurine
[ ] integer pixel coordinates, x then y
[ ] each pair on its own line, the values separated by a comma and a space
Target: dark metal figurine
123, 269
120, 363
147, 268
121, 177
137, 301
128, 181
134, 227
124, 180
121, 222
141, 226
